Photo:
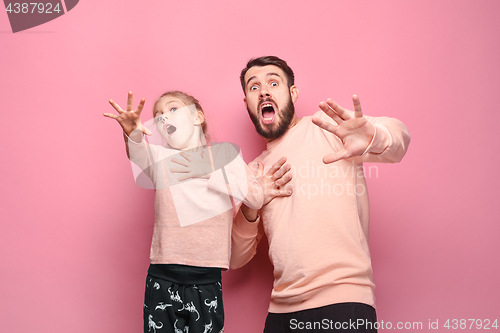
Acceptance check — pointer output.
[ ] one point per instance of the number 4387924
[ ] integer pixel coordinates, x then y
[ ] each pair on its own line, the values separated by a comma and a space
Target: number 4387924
478, 324
32, 7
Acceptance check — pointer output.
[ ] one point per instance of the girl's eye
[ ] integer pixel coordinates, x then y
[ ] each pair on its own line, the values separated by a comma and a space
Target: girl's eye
158, 119
173, 109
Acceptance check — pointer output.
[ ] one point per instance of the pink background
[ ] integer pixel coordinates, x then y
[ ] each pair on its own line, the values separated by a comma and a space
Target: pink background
75, 229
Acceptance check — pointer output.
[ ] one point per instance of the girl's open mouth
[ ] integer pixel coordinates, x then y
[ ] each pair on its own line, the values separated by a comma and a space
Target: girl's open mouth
171, 129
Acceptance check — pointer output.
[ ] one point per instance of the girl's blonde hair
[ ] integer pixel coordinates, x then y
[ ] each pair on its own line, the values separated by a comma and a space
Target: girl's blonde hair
188, 100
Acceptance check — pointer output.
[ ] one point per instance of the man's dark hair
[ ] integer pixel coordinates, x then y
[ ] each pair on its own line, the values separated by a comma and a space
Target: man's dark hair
268, 60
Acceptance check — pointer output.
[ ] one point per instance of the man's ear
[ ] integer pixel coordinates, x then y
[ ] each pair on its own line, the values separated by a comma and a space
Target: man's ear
245, 99
200, 118
294, 92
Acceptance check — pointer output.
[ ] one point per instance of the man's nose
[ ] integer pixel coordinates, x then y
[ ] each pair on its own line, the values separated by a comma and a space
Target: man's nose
264, 92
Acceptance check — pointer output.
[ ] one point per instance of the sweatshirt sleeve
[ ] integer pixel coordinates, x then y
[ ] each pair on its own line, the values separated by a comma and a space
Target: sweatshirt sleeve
245, 237
143, 158
232, 170
389, 143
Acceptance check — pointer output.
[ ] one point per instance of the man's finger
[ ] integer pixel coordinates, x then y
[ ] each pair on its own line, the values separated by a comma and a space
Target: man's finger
276, 166
282, 193
260, 170
254, 168
281, 172
130, 101
283, 180
330, 112
331, 158
338, 109
325, 125
116, 106
357, 107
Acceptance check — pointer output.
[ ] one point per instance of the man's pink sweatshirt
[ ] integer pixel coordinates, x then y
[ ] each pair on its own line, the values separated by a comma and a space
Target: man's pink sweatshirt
318, 237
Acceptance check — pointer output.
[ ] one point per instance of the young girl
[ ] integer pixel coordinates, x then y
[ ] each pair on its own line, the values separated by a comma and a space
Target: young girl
198, 187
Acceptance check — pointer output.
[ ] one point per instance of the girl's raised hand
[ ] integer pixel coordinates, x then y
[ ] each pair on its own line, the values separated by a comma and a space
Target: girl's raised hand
129, 119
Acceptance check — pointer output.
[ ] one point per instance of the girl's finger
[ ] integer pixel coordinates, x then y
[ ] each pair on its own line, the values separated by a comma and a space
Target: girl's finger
140, 106
146, 131
116, 106
110, 115
130, 101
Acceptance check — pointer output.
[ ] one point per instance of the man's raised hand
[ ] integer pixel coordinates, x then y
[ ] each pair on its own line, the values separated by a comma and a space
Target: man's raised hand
129, 119
352, 129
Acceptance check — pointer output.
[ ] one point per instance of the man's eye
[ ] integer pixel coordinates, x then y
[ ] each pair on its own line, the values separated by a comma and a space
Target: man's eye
274, 84
253, 88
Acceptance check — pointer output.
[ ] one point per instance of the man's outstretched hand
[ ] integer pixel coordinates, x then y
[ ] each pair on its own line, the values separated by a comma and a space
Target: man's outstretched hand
352, 129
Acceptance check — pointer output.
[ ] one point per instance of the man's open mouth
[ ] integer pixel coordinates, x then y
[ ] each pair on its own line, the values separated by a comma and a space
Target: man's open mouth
267, 112
171, 129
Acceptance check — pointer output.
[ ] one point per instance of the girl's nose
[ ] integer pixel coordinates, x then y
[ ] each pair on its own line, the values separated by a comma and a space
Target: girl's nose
161, 119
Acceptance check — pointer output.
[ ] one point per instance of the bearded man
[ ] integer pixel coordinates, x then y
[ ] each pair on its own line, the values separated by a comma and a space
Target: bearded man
316, 211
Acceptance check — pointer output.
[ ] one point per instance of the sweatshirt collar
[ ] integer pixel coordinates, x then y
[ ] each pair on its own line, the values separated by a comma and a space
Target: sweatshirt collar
277, 141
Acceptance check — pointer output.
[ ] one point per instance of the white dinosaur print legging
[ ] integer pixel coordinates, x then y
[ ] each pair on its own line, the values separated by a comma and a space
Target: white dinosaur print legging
182, 308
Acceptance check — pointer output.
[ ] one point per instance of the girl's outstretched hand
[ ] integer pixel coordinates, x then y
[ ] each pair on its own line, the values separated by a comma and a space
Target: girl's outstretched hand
129, 119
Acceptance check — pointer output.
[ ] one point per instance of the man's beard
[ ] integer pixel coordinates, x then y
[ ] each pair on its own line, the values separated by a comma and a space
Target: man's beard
285, 118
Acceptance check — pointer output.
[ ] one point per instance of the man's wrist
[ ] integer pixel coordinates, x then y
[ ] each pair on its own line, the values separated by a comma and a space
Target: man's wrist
250, 215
